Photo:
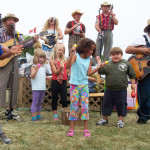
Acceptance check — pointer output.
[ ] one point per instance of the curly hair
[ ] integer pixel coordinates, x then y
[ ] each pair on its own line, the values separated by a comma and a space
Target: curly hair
54, 52
84, 45
46, 25
39, 53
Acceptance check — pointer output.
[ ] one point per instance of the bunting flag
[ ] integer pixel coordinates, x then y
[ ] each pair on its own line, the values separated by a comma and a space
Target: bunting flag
32, 31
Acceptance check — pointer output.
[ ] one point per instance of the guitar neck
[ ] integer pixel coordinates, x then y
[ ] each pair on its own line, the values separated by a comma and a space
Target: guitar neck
24, 42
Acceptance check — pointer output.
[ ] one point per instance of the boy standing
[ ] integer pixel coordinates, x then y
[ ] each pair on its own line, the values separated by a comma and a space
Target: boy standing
117, 72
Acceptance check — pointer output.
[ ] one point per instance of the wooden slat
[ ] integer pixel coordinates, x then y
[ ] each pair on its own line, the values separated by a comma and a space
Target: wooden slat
96, 94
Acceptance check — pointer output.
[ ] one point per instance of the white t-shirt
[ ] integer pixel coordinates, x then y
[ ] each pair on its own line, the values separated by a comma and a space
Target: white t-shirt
39, 82
140, 41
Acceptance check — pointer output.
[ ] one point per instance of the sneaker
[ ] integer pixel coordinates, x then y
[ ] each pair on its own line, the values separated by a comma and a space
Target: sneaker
141, 121
34, 118
4, 138
55, 117
102, 122
11, 115
120, 124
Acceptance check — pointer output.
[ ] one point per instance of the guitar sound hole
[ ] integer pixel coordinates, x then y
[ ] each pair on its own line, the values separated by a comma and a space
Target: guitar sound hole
148, 64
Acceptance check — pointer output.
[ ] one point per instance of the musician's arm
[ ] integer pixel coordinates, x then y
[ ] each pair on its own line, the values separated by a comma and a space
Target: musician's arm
5, 55
67, 31
30, 43
115, 20
60, 35
136, 50
97, 27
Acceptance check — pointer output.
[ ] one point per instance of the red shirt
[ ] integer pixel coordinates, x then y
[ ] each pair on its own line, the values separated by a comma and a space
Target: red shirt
105, 21
54, 77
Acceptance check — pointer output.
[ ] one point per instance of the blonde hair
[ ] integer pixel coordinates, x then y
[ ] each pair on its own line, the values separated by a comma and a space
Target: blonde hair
37, 45
46, 25
54, 53
39, 53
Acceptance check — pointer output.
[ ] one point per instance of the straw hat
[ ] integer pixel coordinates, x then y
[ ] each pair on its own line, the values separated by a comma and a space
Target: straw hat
10, 16
105, 4
77, 12
148, 26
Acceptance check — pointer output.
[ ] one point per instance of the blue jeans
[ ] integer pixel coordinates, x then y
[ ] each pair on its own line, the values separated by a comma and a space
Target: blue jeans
144, 98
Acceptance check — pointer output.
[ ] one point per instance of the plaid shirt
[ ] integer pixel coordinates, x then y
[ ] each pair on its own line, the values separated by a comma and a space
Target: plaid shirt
4, 36
105, 21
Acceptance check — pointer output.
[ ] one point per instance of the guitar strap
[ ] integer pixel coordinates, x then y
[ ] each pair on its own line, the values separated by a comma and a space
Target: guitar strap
17, 36
5, 36
146, 40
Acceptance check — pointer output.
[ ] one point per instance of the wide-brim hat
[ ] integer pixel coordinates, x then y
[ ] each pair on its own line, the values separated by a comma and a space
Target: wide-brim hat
105, 4
77, 12
148, 26
10, 16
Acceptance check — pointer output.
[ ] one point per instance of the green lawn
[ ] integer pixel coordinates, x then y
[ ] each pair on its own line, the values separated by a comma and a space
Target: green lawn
52, 135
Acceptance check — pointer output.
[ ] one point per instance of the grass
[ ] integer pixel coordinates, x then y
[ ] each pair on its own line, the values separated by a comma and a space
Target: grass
52, 135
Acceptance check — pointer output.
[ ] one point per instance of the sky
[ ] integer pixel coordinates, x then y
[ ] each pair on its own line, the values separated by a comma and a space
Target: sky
132, 16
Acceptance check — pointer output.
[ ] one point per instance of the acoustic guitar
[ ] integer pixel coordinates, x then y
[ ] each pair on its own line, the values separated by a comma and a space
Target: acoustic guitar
141, 65
10, 43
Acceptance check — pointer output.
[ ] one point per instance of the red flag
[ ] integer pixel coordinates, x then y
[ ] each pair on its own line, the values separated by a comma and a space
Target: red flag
34, 30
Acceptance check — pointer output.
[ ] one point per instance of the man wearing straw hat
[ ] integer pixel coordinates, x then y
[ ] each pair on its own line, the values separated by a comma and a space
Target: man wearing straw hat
143, 88
104, 24
9, 73
75, 29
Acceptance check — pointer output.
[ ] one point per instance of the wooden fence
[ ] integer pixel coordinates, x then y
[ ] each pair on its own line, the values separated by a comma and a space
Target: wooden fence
25, 96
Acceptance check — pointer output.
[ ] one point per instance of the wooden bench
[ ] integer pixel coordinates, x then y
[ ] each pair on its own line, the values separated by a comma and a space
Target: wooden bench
98, 95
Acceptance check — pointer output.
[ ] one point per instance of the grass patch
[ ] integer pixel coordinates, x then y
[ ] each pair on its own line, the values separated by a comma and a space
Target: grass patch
52, 135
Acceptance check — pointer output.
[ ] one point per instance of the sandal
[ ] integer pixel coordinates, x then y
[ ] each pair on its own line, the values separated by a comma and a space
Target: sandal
87, 133
70, 133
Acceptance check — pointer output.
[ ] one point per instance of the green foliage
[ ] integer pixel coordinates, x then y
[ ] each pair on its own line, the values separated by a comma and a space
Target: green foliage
29, 50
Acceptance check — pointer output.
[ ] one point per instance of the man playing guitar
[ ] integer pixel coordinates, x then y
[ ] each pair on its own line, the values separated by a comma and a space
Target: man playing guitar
9, 73
4, 53
144, 84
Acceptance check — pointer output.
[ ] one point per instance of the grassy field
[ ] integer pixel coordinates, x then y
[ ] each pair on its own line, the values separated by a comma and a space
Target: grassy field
52, 135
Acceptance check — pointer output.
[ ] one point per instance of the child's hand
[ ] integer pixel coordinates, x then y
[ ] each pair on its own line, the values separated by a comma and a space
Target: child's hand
73, 49
61, 66
133, 87
48, 78
38, 66
98, 61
